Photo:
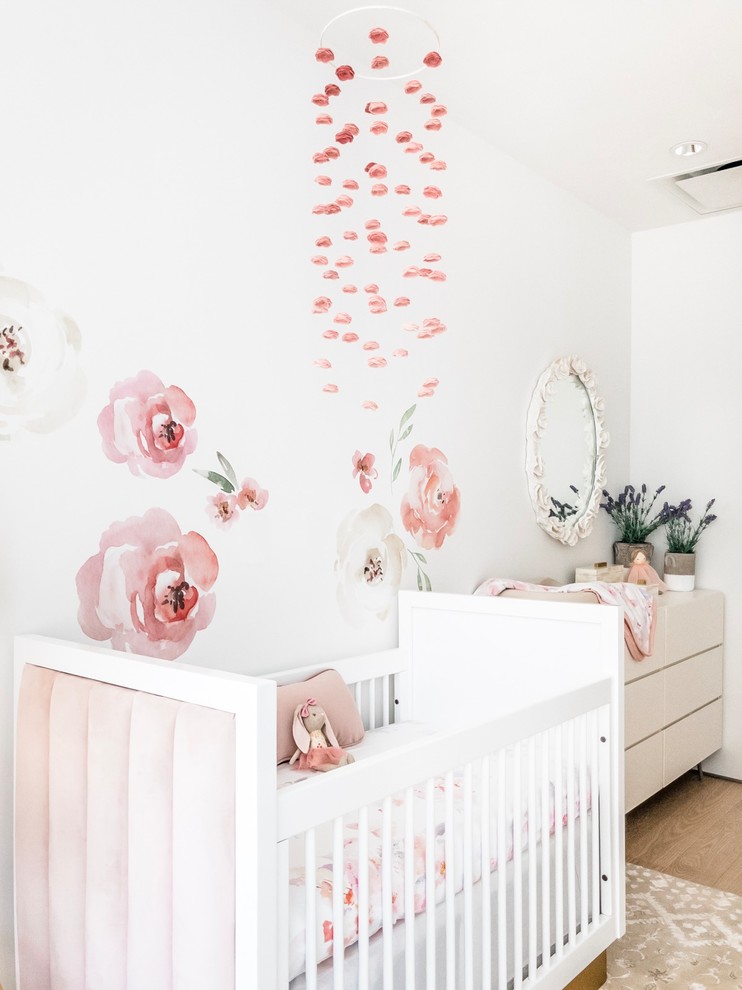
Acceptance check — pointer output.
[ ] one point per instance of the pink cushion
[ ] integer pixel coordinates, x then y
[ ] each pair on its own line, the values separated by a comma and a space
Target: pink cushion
329, 690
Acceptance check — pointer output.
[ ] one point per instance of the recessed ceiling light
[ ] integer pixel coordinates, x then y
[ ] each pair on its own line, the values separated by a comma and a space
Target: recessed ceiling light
689, 148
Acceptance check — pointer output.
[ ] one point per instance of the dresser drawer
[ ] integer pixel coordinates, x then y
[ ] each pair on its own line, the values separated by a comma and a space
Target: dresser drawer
644, 707
632, 669
643, 770
692, 684
691, 740
695, 622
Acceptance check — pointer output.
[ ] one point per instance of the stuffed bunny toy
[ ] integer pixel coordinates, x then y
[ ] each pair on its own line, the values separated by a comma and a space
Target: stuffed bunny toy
317, 745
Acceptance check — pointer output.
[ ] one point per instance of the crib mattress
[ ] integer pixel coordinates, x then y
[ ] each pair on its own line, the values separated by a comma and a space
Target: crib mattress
444, 872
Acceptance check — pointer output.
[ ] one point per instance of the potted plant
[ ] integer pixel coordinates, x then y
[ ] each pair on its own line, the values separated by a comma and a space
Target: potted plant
682, 539
633, 513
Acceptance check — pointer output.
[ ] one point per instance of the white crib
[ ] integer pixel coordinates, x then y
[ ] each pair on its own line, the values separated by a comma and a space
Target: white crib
154, 849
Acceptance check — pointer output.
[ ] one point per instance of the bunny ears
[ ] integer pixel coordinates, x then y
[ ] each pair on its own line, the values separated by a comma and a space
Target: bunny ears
305, 707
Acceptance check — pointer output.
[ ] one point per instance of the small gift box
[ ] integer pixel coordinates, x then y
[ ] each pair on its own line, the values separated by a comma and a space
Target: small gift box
601, 571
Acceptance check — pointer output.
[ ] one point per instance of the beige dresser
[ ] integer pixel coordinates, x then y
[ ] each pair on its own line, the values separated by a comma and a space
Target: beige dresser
673, 698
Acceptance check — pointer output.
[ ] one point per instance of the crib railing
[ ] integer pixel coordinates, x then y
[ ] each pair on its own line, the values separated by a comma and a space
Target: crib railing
508, 901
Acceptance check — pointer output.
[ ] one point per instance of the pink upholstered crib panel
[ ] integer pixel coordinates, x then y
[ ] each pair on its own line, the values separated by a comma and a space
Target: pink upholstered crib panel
107, 892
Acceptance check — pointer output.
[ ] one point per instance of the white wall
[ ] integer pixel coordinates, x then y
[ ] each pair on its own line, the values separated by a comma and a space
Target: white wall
685, 375
157, 185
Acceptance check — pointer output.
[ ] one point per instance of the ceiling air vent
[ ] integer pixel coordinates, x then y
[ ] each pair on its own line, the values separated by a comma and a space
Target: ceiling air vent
711, 189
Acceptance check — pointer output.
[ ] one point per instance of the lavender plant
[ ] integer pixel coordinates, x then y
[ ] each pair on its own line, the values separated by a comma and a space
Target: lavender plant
632, 513
682, 535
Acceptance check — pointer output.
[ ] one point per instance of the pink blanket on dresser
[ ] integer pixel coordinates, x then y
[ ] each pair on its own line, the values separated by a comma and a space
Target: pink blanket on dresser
640, 608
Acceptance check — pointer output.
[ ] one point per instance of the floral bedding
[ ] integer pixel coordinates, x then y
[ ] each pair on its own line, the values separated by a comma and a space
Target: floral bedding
444, 871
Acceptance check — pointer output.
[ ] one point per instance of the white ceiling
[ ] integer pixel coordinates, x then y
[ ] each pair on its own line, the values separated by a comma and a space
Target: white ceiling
591, 94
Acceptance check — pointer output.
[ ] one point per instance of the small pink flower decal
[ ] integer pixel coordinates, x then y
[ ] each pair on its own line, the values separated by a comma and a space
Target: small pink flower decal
438, 110
377, 304
403, 137
371, 345
324, 55
344, 137
350, 235
350, 184
377, 362
433, 124
251, 495
432, 60
223, 509
372, 224
402, 190
350, 288
331, 335
401, 352
323, 118
147, 426
364, 470
319, 259
375, 170
350, 337
379, 127
378, 35
344, 261
432, 257
379, 189
413, 147
438, 166
344, 73
332, 90
371, 287
431, 507
323, 242
370, 405
432, 192
402, 301
321, 304
402, 246
147, 589
376, 107
380, 62
320, 100
331, 389
426, 157
413, 86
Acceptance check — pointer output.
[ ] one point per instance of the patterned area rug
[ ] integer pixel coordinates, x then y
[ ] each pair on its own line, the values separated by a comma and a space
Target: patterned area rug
678, 934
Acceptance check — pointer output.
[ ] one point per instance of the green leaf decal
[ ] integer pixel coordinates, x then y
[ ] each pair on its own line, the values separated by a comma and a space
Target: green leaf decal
407, 415
397, 466
217, 479
391, 440
428, 585
419, 582
228, 469
407, 432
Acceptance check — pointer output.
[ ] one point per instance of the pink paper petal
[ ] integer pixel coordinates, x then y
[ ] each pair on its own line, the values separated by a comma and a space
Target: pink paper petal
323, 242
402, 190
432, 192
322, 363
353, 128
426, 157
377, 237
411, 327
343, 318
371, 287
377, 304
436, 276
332, 153
344, 137
402, 301
403, 137
438, 110
320, 100
376, 107
424, 218
378, 249
344, 261
375, 170
438, 220
330, 274
425, 393
371, 345
372, 224
379, 189
431, 383
350, 184
369, 404
379, 127
378, 35
411, 211
350, 288
323, 118
413, 147
432, 60
402, 246
324, 55
321, 304
350, 235
331, 89
320, 158
427, 99
400, 353
344, 201
411, 272
344, 73
319, 259
432, 257
413, 86
380, 62
424, 272
331, 335
323, 180
350, 337
433, 124
377, 362
330, 388
438, 166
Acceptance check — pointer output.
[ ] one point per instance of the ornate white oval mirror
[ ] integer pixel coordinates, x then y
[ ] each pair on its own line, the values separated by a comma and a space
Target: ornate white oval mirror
566, 441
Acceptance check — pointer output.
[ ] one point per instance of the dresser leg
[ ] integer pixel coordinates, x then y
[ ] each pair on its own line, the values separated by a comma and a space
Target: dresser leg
699, 771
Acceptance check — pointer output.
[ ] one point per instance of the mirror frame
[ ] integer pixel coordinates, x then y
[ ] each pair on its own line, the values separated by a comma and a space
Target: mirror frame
566, 532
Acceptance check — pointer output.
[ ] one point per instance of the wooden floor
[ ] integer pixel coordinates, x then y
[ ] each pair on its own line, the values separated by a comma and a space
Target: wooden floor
693, 830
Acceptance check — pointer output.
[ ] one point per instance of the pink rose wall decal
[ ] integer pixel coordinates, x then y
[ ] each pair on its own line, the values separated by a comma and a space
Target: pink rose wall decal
148, 589
148, 426
431, 507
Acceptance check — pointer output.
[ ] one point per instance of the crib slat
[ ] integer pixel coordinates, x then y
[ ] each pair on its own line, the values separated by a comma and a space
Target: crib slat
409, 887
584, 877
450, 876
310, 908
372, 703
502, 857
430, 878
485, 826
594, 821
545, 854
386, 891
559, 841
283, 914
363, 899
517, 870
358, 694
468, 880
385, 700
338, 892
571, 893
532, 862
